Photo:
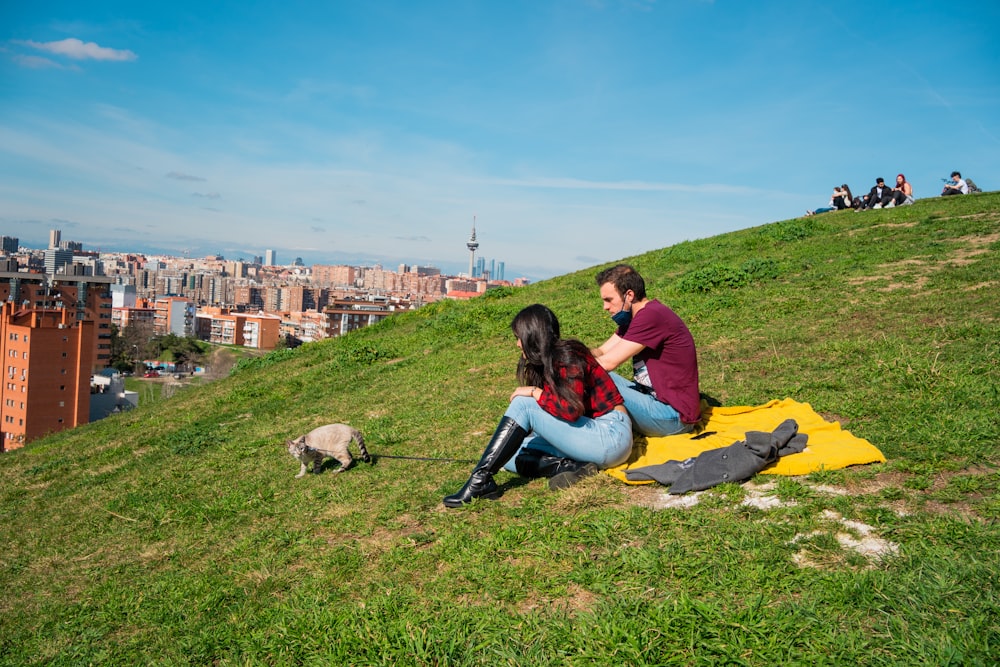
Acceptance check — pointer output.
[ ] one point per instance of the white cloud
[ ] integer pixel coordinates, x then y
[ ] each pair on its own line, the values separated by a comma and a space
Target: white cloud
78, 50
36, 62
180, 176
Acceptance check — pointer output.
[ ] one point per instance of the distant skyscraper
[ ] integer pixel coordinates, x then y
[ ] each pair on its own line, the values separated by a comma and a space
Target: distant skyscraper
472, 245
10, 244
54, 237
56, 260
269, 258
500, 271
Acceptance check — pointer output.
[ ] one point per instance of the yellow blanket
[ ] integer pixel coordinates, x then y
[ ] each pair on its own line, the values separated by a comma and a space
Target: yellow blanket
829, 446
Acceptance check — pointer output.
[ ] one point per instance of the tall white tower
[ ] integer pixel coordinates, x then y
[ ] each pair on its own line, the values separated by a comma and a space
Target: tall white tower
472, 245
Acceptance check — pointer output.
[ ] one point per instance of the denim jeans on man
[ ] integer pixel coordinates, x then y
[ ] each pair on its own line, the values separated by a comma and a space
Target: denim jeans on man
649, 415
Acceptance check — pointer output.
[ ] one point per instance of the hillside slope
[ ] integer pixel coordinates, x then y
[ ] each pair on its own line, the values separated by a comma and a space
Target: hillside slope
177, 534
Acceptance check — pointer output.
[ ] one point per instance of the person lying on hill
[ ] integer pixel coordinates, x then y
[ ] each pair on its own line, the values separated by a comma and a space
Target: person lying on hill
956, 187
663, 398
566, 420
902, 193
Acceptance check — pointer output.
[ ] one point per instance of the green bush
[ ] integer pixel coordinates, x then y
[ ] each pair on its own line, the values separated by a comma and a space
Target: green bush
718, 276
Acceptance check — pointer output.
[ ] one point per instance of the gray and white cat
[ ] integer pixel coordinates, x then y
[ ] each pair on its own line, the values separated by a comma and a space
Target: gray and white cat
330, 440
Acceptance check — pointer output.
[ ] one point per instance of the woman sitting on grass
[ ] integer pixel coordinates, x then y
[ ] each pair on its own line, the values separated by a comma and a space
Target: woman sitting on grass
902, 194
567, 404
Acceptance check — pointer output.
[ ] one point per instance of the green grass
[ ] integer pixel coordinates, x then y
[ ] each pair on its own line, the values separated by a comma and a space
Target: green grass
176, 534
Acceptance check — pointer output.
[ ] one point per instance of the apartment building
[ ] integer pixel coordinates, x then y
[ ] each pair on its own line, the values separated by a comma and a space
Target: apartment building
248, 297
307, 326
88, 298
261, 332
48, 356
334, 276
346, 315
142, 316
219, 325
173, 315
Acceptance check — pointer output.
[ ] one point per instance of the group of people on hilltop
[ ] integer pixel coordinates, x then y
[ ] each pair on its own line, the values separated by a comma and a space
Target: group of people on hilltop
882, 196
572, 415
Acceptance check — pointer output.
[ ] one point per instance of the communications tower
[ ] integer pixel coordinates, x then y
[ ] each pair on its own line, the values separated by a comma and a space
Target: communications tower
472, 245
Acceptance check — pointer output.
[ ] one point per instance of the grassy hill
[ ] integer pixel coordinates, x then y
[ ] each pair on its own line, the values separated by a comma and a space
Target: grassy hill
176, 534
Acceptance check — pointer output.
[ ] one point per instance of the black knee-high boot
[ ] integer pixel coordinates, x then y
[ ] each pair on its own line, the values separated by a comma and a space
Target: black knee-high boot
506, 441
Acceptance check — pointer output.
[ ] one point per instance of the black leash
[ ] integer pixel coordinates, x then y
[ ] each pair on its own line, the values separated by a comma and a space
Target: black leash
421, 458
443, 460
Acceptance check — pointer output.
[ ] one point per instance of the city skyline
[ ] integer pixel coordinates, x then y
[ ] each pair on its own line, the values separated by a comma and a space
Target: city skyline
578, 132
265, 258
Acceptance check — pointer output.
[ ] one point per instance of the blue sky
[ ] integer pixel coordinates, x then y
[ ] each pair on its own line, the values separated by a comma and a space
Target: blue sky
575, 131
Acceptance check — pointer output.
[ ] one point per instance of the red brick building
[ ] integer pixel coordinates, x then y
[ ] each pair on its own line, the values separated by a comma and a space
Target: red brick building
48, 356
87, 298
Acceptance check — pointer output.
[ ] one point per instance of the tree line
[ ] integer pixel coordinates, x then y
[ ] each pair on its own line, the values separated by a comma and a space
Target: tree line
134, 344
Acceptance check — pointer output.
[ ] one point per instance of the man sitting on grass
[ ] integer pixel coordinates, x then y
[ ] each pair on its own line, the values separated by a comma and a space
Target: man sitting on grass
956, 187
664, 398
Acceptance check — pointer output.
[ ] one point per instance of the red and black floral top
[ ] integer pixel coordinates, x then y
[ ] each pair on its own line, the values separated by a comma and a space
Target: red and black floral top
589, 381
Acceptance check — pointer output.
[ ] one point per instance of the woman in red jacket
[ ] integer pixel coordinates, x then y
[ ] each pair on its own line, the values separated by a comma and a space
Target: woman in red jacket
565, 421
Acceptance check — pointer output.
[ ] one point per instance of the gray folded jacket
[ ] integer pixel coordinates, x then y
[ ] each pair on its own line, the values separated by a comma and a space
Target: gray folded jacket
736, 463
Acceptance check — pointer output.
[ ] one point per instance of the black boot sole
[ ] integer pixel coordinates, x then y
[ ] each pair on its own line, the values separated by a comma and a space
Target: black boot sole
455, 503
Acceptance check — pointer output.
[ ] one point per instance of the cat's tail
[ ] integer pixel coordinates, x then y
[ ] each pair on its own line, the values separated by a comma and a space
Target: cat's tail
360, 439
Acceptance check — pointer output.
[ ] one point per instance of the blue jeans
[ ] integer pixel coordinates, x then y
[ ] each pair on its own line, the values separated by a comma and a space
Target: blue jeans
605, 440
649, 416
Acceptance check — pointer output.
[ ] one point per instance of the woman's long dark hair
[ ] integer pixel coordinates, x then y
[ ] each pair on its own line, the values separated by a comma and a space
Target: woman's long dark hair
544, 352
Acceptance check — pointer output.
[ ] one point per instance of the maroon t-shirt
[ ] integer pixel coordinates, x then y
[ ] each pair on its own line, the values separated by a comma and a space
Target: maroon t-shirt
670, 358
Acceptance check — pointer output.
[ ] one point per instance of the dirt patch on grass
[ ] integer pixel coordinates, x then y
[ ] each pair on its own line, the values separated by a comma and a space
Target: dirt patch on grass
576, 600
974, 246
884, 225
876, 484
655, 497
848, 543
957, 509
833, 417
410, 534
220, 363
978, 286
852, 538
915, 273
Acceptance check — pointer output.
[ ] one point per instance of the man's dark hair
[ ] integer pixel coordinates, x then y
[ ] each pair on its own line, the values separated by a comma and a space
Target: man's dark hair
956, 173
880, 180
624, 278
